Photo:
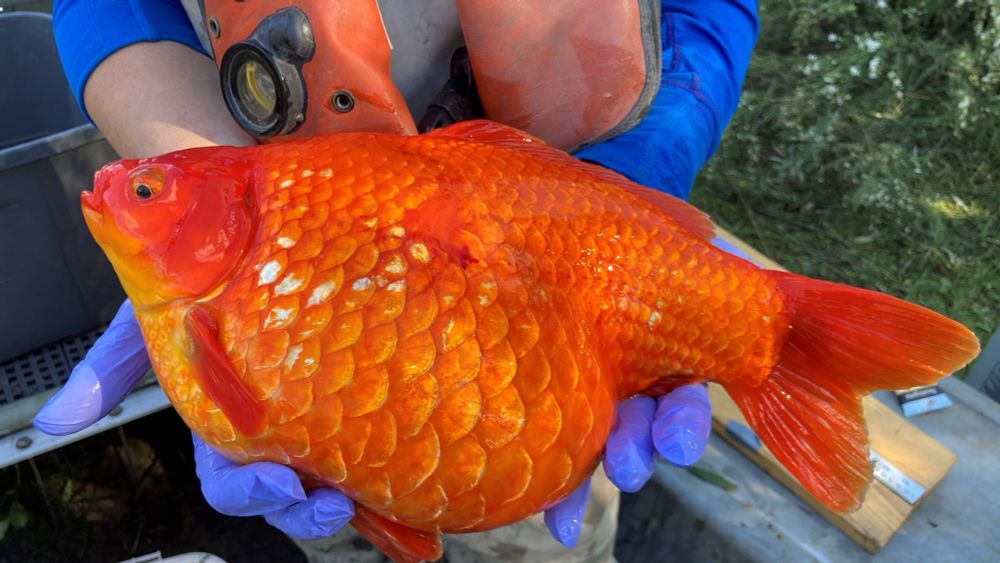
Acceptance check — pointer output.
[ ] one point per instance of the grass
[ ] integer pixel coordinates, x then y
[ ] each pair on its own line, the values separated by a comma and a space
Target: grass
867, 150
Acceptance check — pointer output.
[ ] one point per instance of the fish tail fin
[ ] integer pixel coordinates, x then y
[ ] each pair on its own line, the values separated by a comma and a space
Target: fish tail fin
398, 542
843, 343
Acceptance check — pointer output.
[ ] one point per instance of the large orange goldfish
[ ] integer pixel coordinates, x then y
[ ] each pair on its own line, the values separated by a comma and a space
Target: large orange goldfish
441, 326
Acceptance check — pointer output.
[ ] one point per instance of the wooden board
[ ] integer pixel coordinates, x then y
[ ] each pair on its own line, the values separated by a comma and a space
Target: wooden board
907, 448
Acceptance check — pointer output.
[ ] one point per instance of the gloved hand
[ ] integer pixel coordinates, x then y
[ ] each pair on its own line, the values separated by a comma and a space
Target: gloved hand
117, 361
272, 491
675, 425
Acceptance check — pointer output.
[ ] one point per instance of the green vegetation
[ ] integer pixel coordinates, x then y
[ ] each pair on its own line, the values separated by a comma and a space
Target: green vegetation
867, 149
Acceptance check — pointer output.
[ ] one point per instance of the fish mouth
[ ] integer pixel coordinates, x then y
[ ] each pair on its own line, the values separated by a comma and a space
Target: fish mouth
90, 204
90, 201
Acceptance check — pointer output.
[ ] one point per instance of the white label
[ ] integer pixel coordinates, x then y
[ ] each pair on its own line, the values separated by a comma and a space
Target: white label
908, 489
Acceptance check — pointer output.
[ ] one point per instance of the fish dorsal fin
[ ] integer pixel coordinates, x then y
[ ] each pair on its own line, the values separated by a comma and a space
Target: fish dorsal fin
486, 131
684, 215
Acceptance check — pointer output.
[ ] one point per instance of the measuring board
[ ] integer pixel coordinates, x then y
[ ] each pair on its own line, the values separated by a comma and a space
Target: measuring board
909, 463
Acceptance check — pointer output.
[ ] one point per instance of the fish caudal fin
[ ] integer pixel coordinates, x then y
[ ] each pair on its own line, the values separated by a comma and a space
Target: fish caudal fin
398, 542
843, 343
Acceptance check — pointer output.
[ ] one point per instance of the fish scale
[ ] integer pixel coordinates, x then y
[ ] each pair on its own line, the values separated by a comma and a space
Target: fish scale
441, 326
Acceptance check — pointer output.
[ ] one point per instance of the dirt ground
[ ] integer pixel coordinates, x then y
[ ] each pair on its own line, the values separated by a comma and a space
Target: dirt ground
110, 504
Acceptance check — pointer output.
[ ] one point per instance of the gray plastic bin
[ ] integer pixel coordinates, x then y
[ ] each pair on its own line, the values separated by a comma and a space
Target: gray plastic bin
54, 280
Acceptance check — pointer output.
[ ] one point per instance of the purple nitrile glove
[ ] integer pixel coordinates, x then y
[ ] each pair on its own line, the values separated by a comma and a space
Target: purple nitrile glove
272, 491
675, 425
101, 380
723, 244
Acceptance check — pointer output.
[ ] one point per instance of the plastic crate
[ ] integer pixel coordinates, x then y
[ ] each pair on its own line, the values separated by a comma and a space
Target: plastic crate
55, 282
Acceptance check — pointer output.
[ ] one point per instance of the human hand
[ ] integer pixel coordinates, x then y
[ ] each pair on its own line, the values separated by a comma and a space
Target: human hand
111, 368
270, 490
675, 425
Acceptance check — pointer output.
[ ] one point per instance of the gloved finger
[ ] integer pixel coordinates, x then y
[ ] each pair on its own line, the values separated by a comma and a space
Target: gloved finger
725, 245
628, 454
324, 512
682, 423
254, 489
117, 361
565, 519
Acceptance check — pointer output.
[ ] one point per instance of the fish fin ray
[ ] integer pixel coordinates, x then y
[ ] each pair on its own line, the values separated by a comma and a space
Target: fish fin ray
867, 339
683, 214
842, 343
819, 435
398, 542
218, 378
486, 131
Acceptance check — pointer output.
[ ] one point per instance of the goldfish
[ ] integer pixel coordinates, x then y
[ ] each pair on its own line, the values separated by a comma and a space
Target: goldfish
440, 326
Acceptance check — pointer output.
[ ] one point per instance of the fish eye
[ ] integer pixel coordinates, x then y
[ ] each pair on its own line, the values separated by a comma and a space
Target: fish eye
147, 182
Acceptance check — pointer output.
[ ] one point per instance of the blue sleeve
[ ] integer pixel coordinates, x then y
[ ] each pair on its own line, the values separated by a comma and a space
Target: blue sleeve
706, 52
88, 31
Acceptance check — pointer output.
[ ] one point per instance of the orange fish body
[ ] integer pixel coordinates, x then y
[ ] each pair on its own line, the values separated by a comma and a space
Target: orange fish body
441, 326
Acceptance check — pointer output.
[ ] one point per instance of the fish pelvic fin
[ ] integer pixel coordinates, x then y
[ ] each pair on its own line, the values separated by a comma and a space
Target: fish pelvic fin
843, 343
398, 542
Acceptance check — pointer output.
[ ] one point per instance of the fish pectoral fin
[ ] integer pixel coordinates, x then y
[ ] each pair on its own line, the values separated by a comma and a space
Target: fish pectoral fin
217, 377
398, 542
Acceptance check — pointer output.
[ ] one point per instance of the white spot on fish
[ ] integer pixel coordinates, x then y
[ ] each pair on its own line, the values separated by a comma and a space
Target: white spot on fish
309, 361
370, 222
289, 284
293, 354
654, 319
326, 173
484, 300
447, 330
397, 286
286, 184
395, 265
269, 272
660, 304
397, 231
361, 284
321, 293
448, 299
420, 253
286, 242
306, 173
277, 315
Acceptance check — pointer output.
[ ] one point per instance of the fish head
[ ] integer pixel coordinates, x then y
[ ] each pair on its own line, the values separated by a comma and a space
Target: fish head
175, 226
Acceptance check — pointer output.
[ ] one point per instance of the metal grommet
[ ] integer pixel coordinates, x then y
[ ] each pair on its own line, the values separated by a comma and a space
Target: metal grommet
342, 101
213, 27
23, 442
